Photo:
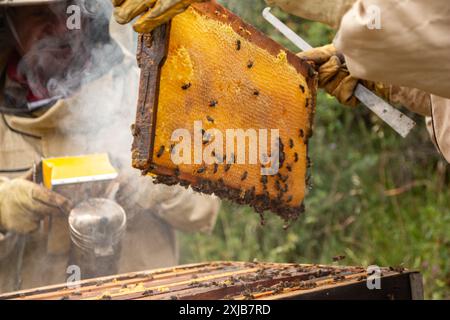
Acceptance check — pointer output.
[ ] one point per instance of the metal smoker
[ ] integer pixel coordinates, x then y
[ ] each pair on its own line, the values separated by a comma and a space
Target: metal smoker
97, 227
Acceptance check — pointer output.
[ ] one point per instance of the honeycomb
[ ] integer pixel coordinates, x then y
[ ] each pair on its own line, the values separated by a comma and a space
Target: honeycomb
224, 74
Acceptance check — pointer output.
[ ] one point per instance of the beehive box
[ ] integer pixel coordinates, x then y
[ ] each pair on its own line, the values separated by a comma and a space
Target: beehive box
237, 281
226, 110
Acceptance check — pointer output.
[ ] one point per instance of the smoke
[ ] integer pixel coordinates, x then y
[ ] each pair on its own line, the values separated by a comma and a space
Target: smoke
98, 79
100, 84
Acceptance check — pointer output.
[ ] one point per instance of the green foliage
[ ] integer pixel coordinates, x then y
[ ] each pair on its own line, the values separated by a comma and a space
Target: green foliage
376, 198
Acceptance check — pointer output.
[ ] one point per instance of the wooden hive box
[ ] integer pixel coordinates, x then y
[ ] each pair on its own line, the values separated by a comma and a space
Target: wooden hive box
226, 110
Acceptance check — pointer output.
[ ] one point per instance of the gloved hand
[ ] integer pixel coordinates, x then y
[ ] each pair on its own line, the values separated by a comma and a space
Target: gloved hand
329, 12
154, 12
23, 204
335, 78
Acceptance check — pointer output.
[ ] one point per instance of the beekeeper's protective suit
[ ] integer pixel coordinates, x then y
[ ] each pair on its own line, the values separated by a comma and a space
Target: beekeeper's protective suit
87, 108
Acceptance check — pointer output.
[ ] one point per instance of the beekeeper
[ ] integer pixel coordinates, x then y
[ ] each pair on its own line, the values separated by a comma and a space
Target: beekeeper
67, 87
402, 47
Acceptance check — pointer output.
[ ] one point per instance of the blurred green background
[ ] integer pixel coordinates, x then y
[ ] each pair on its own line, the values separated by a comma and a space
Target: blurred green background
376, 198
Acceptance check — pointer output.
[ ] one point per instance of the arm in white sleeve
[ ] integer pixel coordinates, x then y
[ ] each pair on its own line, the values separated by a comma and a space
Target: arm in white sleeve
411, 49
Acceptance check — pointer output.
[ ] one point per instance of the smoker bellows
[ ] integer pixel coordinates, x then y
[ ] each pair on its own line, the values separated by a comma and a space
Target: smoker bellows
208, 77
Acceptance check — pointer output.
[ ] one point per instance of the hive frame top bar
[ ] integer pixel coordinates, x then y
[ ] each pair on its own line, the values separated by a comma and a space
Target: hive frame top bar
393, 117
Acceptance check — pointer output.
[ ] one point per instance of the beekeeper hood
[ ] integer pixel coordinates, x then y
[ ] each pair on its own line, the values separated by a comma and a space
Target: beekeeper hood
57, 44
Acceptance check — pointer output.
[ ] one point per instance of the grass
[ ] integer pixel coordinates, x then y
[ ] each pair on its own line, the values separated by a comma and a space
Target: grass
376, 198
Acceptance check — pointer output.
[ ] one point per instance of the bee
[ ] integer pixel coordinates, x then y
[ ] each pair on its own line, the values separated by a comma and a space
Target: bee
161, 151
244, 176
213, 103
201, 170
256, 93
216, 167
264, 179
295, 157
289, 199
238, 45
277, 185
289, 167
338, 258
227, 167
250, 64
291, 143
302, 88
307, 103
135, 130
210, 119
147, 292
172, 147
186, 86
301, 133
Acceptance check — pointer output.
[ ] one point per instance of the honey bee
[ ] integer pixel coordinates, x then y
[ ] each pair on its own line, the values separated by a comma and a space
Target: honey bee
244, 176
227, 167
277, 185
213, 103
291, 143
210, 119
289, 199
264, 179
250, 64
301, 133
256, 93
338, 258
302, 88
161, 151
289, 167
186, 86
216, 167
295, 157
201, 170
238, 45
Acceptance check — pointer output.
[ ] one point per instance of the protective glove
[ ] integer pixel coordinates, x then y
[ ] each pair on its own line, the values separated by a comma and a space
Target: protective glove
154, 12
24, 204
335, 78
329, 12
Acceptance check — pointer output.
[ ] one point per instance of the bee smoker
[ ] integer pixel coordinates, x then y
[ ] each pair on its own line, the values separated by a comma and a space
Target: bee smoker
97, 227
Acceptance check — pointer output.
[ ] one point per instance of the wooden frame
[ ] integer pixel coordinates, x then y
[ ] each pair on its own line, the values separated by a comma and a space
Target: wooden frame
152, 54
